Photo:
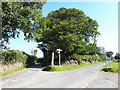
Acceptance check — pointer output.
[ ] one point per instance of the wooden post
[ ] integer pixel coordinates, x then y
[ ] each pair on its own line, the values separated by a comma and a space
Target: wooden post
52, 62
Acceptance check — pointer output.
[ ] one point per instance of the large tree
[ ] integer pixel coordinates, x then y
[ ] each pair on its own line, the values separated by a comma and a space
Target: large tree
24, 16
68, 29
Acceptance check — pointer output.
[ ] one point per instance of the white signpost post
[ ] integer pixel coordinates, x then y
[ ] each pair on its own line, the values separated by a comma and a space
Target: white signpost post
52, 63
59, 50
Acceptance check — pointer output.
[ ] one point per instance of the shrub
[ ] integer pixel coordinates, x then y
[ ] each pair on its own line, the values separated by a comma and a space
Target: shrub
31, 60
42, 62
107, 69
41, 59
89, 58
13, 56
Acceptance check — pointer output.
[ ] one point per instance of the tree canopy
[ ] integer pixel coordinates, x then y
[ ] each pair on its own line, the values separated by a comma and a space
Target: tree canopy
109, 53
24, 16
71, 30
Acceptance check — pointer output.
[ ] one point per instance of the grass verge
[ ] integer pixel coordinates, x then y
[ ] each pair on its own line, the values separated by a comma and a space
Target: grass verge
54, 68
11, 71
112, 68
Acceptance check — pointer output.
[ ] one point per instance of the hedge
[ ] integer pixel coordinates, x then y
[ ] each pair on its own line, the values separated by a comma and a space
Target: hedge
89, 58
13, 56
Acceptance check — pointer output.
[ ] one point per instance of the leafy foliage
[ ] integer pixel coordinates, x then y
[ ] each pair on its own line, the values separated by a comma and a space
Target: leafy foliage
71, 30
35, 52
89, 58
25, 16
117, 56
109, 54
13, 56
102, 50
31, 60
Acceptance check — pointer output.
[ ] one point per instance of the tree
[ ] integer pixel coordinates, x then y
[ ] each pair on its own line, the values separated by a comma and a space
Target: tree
68, 29
102, 50
24, 16
32, 51
109, 53
35, 52
117, 56
92, 49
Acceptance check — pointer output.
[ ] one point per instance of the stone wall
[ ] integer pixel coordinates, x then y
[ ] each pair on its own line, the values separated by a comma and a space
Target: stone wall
70, 62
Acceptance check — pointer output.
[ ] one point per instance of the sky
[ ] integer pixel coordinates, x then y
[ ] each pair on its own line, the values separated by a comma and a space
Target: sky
105, 13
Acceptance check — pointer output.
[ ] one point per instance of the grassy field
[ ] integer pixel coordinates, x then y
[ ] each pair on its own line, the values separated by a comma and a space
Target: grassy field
112, 67
11, 71
53, 68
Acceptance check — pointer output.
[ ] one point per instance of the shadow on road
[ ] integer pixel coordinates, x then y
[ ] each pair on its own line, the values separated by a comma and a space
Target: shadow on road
38, 65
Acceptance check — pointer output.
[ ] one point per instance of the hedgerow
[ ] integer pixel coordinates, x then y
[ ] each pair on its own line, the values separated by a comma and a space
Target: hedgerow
13, 56
89, 58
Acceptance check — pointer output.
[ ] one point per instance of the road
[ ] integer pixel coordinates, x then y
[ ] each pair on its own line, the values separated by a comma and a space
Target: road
35, 78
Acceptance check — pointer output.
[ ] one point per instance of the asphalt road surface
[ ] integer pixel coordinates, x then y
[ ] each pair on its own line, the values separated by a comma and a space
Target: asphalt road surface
35, 78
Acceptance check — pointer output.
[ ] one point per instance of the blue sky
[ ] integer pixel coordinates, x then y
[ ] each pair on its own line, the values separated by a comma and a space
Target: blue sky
105, 13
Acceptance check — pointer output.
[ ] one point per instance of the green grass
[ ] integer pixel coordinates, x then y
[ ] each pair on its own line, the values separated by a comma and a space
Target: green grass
11, 71
66, 67
114, 67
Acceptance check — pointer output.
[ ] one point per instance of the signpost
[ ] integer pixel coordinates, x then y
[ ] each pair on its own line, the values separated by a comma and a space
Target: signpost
59, 50
52, 63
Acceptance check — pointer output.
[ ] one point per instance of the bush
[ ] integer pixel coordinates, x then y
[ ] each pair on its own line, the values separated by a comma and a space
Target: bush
107, 69
13, 56
89, 58
41, 59
42, 62
31, 60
